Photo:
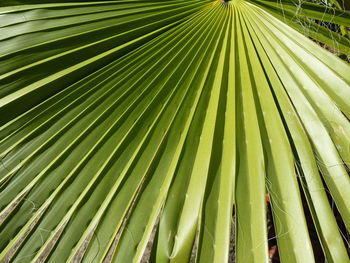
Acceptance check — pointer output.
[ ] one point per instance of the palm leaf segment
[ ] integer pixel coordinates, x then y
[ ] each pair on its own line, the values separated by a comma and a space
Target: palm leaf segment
193, 106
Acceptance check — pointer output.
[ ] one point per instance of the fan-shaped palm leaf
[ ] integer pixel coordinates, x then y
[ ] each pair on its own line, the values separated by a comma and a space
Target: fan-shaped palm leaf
124, 119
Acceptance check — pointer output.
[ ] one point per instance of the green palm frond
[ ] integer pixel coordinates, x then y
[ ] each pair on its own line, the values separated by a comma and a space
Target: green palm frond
124, 120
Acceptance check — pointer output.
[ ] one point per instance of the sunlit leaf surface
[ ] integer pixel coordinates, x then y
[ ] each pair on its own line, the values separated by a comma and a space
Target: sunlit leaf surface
124, 120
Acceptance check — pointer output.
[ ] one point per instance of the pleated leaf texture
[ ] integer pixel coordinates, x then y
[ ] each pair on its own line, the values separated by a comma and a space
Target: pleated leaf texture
135, 120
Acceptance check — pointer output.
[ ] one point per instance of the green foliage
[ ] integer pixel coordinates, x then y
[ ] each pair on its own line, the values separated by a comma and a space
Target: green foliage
124, 119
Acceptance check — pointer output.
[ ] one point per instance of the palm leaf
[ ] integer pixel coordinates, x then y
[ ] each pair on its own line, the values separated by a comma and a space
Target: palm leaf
125, 120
